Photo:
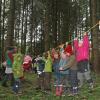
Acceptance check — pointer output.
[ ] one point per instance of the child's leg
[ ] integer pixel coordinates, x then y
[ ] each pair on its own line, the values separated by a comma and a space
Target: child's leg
80, 78
38, 83
73, 81
88, 78
59, 84
11, 77
47, 79
16, 86
55, 78
65, 80
42, 81
4, 81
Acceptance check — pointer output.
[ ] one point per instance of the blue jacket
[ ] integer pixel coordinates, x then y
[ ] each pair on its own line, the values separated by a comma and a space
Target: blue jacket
62, 63
41, 65
56, 65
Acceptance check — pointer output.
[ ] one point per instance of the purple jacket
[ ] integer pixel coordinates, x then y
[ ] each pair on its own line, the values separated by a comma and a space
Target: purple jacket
83, 51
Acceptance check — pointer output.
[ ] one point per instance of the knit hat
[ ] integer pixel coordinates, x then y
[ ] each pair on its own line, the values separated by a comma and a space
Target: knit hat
68, 49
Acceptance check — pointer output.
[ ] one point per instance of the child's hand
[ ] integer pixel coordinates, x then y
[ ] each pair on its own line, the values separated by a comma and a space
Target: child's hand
61, 46
76, 38
48, 52
85, 33
61, 68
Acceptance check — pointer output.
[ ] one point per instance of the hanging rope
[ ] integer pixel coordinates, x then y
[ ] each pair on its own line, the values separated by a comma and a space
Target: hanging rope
94, 26
98, 23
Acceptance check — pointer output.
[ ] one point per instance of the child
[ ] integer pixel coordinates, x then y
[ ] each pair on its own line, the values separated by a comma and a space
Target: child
57, 72
27, 63
8, 70
82, 57
47, 71
34, 65
71, 65
17, 70
63, 73
2, 70
56, 66
62, 63
40, 67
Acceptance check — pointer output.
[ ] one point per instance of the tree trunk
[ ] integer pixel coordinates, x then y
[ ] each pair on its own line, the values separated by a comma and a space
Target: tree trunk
22, 25
0, 34
10, 29
3, 25
54, 23
25, 29
96, 63
31, 28
0, 23
46, 27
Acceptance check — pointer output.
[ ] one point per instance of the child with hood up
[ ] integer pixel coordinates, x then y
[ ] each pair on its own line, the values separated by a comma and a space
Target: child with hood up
17, 70
72, 66
82, 58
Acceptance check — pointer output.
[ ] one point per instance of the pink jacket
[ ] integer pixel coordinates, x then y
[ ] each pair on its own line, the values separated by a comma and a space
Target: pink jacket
27, 59
83, 51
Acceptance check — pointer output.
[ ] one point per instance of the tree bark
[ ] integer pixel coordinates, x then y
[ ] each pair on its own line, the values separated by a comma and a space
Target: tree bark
96, 63
10, 29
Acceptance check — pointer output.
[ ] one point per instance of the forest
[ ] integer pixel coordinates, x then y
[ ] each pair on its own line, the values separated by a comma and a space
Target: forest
36, 26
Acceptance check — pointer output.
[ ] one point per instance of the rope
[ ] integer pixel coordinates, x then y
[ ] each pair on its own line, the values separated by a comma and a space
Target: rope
93, 26
98, 23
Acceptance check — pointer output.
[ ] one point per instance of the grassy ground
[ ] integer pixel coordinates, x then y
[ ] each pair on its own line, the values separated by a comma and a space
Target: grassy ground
29, 93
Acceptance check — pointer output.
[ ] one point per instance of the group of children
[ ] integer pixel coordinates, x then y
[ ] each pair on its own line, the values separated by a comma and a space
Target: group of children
69, 65
13, 67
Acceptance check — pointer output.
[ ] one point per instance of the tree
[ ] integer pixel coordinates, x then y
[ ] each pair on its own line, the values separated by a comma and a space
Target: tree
46, 25
0, 23
0, 32
95, 34
10, 28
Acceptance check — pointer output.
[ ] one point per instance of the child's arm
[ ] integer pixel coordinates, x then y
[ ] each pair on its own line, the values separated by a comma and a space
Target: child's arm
85, 40
75, 43
69, 63
49, 55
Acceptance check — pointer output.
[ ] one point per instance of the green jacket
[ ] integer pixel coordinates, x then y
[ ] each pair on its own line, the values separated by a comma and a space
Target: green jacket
48, 64
9, 58
17, 65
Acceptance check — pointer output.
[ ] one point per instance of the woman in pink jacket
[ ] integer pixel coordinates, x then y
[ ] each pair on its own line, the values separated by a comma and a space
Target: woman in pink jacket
82, 58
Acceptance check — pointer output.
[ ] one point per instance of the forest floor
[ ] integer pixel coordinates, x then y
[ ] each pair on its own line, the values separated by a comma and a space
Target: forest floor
29, 92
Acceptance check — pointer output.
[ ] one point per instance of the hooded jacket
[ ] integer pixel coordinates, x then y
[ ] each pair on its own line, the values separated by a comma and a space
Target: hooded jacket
71, 63
17, 65
83, 51
48, 64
